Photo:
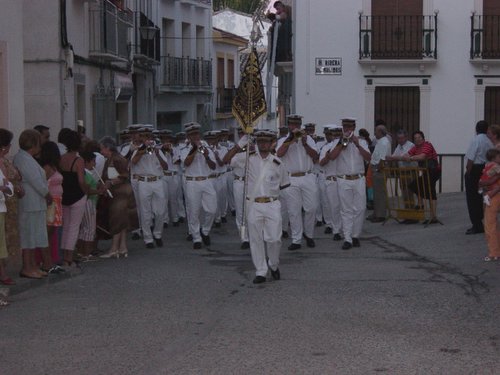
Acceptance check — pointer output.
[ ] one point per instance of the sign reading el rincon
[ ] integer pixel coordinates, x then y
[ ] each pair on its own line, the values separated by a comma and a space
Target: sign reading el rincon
329, 66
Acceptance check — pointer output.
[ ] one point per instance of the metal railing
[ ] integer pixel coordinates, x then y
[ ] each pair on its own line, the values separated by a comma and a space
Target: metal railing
186, 72
146, 49
225, 98
109, 30
398, 37
485, 37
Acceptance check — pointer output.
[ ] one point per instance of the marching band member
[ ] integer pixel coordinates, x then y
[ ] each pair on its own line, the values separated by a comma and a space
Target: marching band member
329, 168
180, 144
217, 177
147, 169
171, 183
283, 133
350, 152
228, 177
266, 177
199, 164
298, 152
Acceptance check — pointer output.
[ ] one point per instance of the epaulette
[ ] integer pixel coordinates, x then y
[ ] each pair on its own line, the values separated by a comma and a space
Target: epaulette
253, 152
276, 161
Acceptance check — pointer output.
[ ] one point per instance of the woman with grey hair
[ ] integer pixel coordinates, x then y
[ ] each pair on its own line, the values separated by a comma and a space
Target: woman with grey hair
117, 213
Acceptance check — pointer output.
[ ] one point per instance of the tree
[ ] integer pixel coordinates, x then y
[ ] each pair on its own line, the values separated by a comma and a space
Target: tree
245, 6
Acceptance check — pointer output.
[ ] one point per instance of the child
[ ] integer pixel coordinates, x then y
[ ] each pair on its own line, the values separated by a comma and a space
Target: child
491, 169
88, 225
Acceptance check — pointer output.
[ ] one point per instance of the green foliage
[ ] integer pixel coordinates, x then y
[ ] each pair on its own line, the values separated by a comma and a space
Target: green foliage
245, 6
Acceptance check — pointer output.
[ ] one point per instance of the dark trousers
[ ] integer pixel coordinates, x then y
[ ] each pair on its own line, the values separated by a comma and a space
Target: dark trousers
474, 199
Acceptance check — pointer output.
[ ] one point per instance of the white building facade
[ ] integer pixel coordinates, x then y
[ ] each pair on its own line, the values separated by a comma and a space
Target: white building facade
185, 77
429, 65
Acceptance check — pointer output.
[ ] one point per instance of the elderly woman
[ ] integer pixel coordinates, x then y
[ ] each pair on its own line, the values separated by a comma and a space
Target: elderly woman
424, 187
32, 207
121, 212
493, 134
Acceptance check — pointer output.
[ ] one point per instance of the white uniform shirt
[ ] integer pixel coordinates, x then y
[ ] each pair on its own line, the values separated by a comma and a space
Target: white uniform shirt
199, 166
319, 146
148, 165
238, 164
381, 151
169, 159
330, 168
296, 159
403, 150
222, 151
478, 148
266, 176
350, 160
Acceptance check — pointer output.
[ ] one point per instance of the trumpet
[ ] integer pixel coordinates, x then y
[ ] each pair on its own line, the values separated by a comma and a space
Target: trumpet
298, 134
346, 138
202, 150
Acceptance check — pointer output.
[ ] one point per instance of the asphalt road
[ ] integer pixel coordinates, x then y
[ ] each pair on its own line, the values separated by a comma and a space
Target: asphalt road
410, 300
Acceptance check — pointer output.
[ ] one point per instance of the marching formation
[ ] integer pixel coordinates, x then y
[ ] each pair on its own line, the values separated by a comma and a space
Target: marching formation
274, 186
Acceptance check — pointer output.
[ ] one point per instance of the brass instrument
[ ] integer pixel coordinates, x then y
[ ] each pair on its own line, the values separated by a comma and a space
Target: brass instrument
346, 138
299, 133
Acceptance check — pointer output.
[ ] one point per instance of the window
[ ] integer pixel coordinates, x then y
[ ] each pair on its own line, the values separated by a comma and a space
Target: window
399, 107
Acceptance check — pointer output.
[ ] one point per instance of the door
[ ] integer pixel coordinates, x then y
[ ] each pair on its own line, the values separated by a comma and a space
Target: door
492, 105
397, 29
399, 107
491, 29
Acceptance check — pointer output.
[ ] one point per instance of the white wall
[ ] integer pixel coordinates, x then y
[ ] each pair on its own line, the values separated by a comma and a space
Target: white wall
11, 49
325, 99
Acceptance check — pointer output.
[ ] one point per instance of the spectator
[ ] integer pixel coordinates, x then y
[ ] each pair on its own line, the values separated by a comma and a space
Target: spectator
425, 186
493, 134
44, 132
32, 207
88, 226
13, 175
476, 159
49, 160
6, 189
74, 195
61, 139
121, 211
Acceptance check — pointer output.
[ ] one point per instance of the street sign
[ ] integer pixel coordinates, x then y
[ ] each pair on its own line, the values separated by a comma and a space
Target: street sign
329, 66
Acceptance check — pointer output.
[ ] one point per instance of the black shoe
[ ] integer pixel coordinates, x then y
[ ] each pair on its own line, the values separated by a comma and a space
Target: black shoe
276, 274
346, 245
223, 219
205, 238
175, 224
474, 231
136, 236
245, 245
328, 230
284, 234
259, 280
233, 213
337, 237
217, 224
150, 245
189, 237
165, 225
181, 219
159, 242
197, 245
355, 242
319, 223
309, 241
294, 246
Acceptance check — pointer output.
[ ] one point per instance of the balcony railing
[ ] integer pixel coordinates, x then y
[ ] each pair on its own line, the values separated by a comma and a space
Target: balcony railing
109, 31
397, 37
146, 49
184, 72
485, 37
225, 98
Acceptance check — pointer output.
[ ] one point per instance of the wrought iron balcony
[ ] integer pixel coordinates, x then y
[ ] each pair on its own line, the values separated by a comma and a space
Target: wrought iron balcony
109, 37
225, 98
146, 45
397, 37
186, 73
485, 37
